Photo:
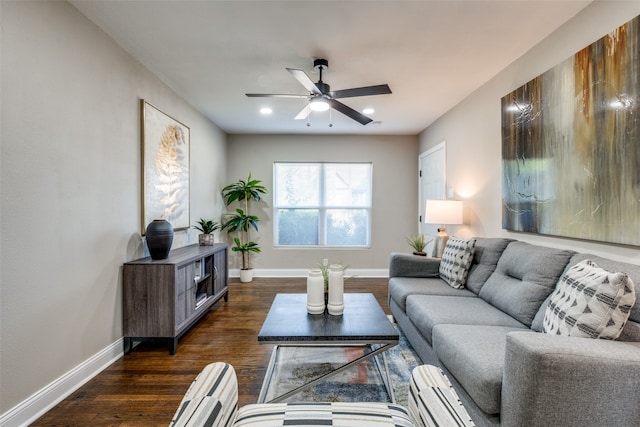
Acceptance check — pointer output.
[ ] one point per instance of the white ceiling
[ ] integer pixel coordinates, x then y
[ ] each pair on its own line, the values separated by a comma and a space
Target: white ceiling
431, 53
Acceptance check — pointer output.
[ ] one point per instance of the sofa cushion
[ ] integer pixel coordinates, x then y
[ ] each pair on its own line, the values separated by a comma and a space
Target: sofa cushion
456, 260
474, 356
323, 414
486, 254
631, 330
536, 324
427, 311
590, 302
401, 287
524, 277
631, 270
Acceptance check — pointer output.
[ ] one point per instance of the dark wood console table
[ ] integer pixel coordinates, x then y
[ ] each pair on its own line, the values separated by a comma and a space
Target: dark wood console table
162, 299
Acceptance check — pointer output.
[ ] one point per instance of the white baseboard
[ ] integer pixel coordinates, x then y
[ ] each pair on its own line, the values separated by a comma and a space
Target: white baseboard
304, 272
49, 396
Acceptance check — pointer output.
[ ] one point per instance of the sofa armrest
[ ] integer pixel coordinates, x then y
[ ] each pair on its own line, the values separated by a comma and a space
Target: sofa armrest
211, 400
406, 265
558, 380
433, 401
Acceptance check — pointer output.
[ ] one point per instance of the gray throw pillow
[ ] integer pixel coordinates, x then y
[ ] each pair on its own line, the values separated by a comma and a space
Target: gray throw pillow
456, 260
589, 302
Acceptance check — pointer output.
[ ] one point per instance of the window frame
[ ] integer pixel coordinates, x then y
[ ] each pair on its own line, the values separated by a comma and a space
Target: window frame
322, 208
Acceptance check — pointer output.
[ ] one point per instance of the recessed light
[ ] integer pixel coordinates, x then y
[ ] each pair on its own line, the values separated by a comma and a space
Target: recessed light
368, 111
266, 110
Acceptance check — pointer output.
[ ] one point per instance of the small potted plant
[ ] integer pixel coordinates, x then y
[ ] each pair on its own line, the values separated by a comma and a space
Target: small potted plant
207, 227
418, 242
324, 269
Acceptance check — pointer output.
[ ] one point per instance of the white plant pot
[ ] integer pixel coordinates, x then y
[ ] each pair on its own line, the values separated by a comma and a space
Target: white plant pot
246, 276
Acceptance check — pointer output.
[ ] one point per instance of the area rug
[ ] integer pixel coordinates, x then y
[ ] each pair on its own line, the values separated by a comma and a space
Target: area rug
360, 383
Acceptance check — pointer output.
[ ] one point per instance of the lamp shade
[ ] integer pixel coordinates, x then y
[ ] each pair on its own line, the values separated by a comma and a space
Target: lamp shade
443, 212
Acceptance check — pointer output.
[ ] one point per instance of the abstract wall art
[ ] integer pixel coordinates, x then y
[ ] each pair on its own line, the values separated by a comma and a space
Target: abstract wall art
165, 168
571, 145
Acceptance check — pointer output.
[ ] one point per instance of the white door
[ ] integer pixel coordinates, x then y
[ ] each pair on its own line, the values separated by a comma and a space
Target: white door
432, 178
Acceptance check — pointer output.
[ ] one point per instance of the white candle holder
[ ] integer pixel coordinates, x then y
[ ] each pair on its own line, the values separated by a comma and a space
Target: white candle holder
336, 290
315, 292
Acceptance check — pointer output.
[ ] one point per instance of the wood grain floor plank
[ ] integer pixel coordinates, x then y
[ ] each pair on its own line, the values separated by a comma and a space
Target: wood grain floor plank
145, 387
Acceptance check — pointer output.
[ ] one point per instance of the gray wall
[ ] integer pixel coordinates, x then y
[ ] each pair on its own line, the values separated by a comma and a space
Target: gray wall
473, 130
395, 189
70, 182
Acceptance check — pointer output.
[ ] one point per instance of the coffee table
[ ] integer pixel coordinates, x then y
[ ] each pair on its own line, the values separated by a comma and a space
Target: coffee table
363, 323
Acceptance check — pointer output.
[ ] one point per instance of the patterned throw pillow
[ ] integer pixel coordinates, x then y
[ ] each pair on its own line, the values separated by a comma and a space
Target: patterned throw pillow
456, 260
589, 302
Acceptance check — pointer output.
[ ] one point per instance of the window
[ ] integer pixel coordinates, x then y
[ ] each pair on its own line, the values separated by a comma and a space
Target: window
322, 204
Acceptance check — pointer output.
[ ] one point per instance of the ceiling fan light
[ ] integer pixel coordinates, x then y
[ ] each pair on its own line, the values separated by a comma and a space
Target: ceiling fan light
319, 104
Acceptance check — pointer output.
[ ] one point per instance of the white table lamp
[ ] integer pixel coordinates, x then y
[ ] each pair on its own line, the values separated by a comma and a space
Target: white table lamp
442, 212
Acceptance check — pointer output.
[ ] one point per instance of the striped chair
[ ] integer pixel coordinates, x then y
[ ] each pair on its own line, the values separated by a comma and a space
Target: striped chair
212, 400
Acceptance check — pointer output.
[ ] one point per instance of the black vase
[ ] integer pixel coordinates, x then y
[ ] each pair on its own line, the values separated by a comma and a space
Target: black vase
159, 238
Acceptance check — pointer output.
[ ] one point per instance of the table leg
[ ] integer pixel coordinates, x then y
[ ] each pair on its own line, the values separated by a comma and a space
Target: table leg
128, 345
268, 375
386, 377
173, 345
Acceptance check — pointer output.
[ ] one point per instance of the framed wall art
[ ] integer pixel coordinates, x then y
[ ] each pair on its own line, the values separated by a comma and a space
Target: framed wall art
571, 145
165, 168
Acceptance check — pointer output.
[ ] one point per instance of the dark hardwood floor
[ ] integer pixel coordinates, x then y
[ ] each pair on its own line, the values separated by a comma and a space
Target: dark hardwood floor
145, 387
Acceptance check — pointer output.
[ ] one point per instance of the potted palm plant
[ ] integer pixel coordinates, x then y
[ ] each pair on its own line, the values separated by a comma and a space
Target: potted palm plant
242, 221
206, 227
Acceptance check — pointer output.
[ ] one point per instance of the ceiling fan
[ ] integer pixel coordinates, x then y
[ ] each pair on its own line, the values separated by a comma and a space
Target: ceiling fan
321, 98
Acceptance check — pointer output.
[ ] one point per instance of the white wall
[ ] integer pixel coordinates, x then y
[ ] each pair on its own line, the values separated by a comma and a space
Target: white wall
71, 204
395, 189
473, 130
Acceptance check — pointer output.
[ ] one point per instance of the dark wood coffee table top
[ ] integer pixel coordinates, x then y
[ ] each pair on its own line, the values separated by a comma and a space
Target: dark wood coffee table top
363, 322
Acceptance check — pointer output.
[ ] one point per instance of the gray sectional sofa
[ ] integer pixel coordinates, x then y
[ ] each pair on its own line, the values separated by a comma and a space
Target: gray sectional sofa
488, 338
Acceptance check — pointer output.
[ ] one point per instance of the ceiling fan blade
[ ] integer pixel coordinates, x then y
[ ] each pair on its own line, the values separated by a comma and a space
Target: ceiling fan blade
274, 95
349, 112
304, 113
362, 91
304, 80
